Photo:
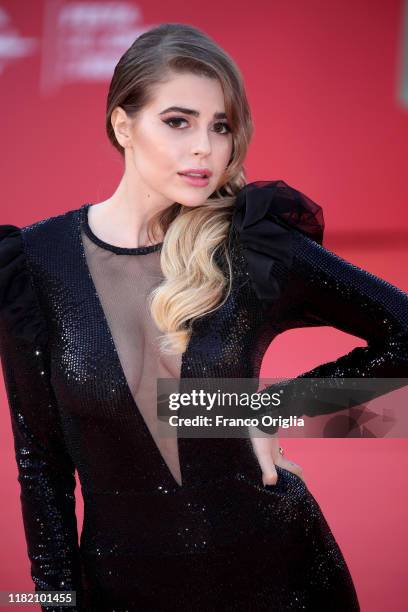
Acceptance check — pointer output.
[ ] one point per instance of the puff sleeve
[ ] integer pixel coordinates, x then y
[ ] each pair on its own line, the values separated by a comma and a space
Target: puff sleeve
281, 231
45, 470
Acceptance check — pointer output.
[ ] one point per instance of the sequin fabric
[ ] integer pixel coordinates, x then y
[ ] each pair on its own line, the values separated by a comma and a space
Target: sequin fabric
324, 289
220, 540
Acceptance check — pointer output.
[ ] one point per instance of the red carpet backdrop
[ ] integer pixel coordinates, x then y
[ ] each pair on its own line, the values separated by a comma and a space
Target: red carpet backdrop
328, 87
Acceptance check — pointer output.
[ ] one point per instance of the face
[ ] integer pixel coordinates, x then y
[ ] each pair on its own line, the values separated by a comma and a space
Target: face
161, 143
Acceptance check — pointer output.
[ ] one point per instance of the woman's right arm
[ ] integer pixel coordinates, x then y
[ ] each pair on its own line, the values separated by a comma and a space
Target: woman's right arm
46, 472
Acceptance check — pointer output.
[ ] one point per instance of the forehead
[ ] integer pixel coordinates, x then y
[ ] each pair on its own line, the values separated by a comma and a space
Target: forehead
189, 90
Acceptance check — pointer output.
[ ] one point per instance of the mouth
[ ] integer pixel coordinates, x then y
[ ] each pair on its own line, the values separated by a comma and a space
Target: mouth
196, 180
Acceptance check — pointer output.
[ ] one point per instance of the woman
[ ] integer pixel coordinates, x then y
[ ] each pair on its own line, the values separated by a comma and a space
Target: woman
176, 277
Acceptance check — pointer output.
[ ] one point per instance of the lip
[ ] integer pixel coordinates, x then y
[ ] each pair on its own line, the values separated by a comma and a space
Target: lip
196, 181
205, 171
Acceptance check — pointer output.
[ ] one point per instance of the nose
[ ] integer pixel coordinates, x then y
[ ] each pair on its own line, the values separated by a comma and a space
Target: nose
202, 145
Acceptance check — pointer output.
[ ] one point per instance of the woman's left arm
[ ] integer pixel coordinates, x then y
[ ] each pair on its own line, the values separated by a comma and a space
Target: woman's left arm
324, 289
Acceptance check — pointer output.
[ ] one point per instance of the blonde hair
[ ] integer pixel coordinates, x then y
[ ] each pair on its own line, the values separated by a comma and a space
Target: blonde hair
194, 284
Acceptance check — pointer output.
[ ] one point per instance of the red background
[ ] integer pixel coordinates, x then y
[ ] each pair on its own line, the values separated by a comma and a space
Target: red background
324, 82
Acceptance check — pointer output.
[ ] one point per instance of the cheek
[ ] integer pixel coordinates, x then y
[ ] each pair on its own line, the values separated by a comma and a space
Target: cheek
155, 150
224, 153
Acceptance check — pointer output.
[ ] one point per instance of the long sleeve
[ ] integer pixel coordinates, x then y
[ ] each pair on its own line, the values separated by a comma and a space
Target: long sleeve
45, 470
325, 289
313, 287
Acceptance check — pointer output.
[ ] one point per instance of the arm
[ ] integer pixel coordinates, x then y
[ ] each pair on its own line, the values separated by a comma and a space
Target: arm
45, 470
324, 289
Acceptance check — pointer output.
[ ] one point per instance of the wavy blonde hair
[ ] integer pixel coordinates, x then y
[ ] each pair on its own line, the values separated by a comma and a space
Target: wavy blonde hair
194, 285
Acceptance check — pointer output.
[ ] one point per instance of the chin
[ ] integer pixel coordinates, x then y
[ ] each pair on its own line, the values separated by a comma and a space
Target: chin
197, 199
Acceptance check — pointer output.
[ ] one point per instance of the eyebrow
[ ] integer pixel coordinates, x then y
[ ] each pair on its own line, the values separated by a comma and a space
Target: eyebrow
189, 111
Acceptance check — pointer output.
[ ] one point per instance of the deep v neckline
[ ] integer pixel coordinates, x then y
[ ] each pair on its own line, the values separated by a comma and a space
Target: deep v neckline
82, 224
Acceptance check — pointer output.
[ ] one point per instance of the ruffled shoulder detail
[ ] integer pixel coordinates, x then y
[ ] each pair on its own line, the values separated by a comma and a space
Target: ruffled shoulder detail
20, 312
264, 214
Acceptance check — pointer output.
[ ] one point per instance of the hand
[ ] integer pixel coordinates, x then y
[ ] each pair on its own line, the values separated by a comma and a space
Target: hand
267, 451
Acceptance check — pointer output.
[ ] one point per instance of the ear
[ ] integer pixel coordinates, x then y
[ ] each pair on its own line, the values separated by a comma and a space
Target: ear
121, 126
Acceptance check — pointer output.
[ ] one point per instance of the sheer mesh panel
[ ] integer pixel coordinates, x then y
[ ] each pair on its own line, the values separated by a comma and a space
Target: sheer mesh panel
123, 283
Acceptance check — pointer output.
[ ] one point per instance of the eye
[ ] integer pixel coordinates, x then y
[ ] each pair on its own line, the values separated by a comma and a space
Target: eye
174, 120
223, 124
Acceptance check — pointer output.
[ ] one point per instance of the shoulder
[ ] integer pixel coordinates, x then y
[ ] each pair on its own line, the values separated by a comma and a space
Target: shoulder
38, 233
20, 312
266, 216
48, 230
276, 201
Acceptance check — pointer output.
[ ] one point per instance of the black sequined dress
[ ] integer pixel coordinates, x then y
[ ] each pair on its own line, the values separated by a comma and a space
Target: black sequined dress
187, 527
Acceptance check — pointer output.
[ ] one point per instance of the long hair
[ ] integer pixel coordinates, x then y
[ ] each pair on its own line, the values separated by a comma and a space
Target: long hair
193, 283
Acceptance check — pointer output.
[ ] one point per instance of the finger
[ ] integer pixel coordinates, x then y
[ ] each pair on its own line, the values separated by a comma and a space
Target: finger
263, 452
269, 474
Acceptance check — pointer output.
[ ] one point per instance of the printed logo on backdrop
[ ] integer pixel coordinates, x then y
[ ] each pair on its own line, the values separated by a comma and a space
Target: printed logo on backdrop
13, 45
83, 41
